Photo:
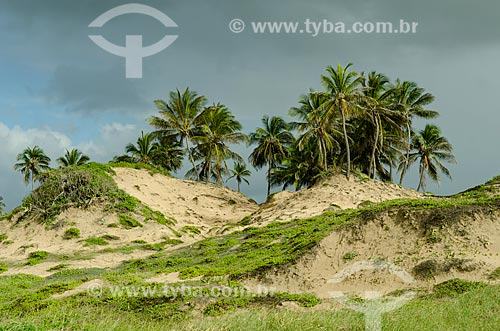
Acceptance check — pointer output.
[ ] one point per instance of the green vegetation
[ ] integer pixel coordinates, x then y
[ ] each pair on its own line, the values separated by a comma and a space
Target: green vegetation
3, 267
223, 260
37, 257
128, 222
79, 186
96, 241
71, 233
349, 256
272, 142
58, 267
32, 163
239, 173
495, 274
3, 237
455, 287
73, 158
191, 229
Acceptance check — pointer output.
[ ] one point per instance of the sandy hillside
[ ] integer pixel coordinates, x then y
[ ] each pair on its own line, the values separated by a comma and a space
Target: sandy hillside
24, 238
469, 248
203, 207
334, 193
190, 203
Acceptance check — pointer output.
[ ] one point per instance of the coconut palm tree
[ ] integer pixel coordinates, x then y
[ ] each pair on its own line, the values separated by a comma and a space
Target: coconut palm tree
316, 128
378, 110
411, 101
344, 90
164, 152
2, 206
145, 150
169, 154
300, 169
73, 158
239, 172
178, 118
430, 148
32, 163
217, 128
272, 142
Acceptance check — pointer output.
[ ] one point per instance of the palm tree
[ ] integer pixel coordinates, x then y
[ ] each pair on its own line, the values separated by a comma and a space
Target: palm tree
164, 152
217, 128
2, 206
178, 118
32, 162
344, 89
430, 148
169, 154
145, 150
272, 141
381, 116
73, 158
300, 169
315, 127
411, 101
239, 172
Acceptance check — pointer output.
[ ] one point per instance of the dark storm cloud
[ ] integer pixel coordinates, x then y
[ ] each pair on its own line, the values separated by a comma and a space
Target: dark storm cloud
90, 90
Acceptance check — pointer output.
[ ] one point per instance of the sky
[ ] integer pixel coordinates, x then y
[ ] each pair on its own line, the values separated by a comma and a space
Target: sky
59, 90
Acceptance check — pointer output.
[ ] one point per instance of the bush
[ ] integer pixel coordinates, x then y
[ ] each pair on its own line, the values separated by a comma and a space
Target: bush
3, 268
455, 287
37, 257
69, 187
71, 233
3, 237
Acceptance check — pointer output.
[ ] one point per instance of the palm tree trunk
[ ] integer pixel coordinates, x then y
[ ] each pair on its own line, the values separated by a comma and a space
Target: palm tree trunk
191, 159
372, 157
346, 143
239, 182
421, 183
269, 180
407, 158
32, 181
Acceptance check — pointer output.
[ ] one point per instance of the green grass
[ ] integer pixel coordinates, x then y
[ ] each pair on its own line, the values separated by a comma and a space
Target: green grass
3, 267
3, 237
58, 267
190, 229
128, 222
93, 241
71, 233
495, 274
475, 310
37, 257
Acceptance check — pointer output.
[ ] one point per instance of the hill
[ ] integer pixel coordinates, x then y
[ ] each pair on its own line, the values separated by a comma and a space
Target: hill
448, 247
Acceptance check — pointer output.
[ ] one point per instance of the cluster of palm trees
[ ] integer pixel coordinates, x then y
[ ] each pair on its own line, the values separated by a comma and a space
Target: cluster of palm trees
358, 122
361, 122
33, 163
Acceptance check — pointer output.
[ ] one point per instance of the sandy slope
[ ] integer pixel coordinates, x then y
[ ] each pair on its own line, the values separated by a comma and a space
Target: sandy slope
470, 248
189, 202
204, 206
334, 193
